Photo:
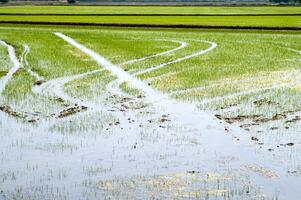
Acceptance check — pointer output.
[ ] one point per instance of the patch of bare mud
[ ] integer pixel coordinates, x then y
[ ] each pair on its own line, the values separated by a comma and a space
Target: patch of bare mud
71, 111
26, 116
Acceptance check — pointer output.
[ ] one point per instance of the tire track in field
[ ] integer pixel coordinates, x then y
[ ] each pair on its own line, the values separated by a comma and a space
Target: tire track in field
114, 86
182, 45
26, 65
195, 54
237, 94
275, 86
185, 113
16, 65
55, 87
213, 45
209, 130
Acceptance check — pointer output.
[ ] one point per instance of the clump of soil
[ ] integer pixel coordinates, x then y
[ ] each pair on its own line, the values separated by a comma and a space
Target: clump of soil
22, 115
39, 82
239, 118
248, 126
295, 119
257, 119
72, 110
273, 118
261, 102
227, 106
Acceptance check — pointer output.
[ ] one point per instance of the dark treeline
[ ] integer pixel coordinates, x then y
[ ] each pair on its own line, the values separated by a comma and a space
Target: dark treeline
286, 1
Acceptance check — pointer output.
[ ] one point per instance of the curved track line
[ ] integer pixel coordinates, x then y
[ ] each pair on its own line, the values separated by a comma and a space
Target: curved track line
182, 45
222, 82
213, 46
275, 86
16, 65
26, 64
55, 87
185, 113
114, 86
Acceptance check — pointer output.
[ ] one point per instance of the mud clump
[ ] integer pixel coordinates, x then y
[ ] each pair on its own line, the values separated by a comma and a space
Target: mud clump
71, 111
261, 102
295, 119
290, 144
239, 118
164, 118
9, 110
22, 115
248, 126
274, 118
39, 82
227, 106
254, 139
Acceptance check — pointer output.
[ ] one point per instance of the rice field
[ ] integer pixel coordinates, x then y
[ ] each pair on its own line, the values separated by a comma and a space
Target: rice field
149, 113
78, 10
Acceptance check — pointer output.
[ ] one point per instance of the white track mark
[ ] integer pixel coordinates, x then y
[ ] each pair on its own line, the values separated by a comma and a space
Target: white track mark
182, 45
55, 87
198, 53
236, 94
231, 82
26, 64
16, 65
114, 86
275, 86
191, 117
213, 46
184, 113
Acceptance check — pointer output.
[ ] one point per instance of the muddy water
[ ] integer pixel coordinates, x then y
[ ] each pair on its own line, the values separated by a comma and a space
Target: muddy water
164, 150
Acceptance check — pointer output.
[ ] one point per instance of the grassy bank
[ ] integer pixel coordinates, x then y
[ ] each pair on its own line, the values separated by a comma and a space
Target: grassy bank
266, 21
150, 10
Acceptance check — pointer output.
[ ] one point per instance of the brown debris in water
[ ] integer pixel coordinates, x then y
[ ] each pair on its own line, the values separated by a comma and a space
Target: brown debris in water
248, 126
262, 171
39, 82
261, 102
22, 115
227, 106
295, 119
239, 118
274, 118
72, 110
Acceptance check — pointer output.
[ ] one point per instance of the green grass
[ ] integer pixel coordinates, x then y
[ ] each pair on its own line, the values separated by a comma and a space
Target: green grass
5, 63
278, 21
94, 144
243, 61
149, 10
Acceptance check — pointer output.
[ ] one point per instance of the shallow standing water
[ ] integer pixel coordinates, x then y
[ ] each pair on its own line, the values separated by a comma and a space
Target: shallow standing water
133, 146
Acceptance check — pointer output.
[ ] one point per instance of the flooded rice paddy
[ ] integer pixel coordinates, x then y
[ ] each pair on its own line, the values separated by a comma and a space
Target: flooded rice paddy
149, 114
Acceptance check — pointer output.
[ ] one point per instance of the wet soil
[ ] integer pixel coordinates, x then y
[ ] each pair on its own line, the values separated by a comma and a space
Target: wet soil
71, 111
29, 117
